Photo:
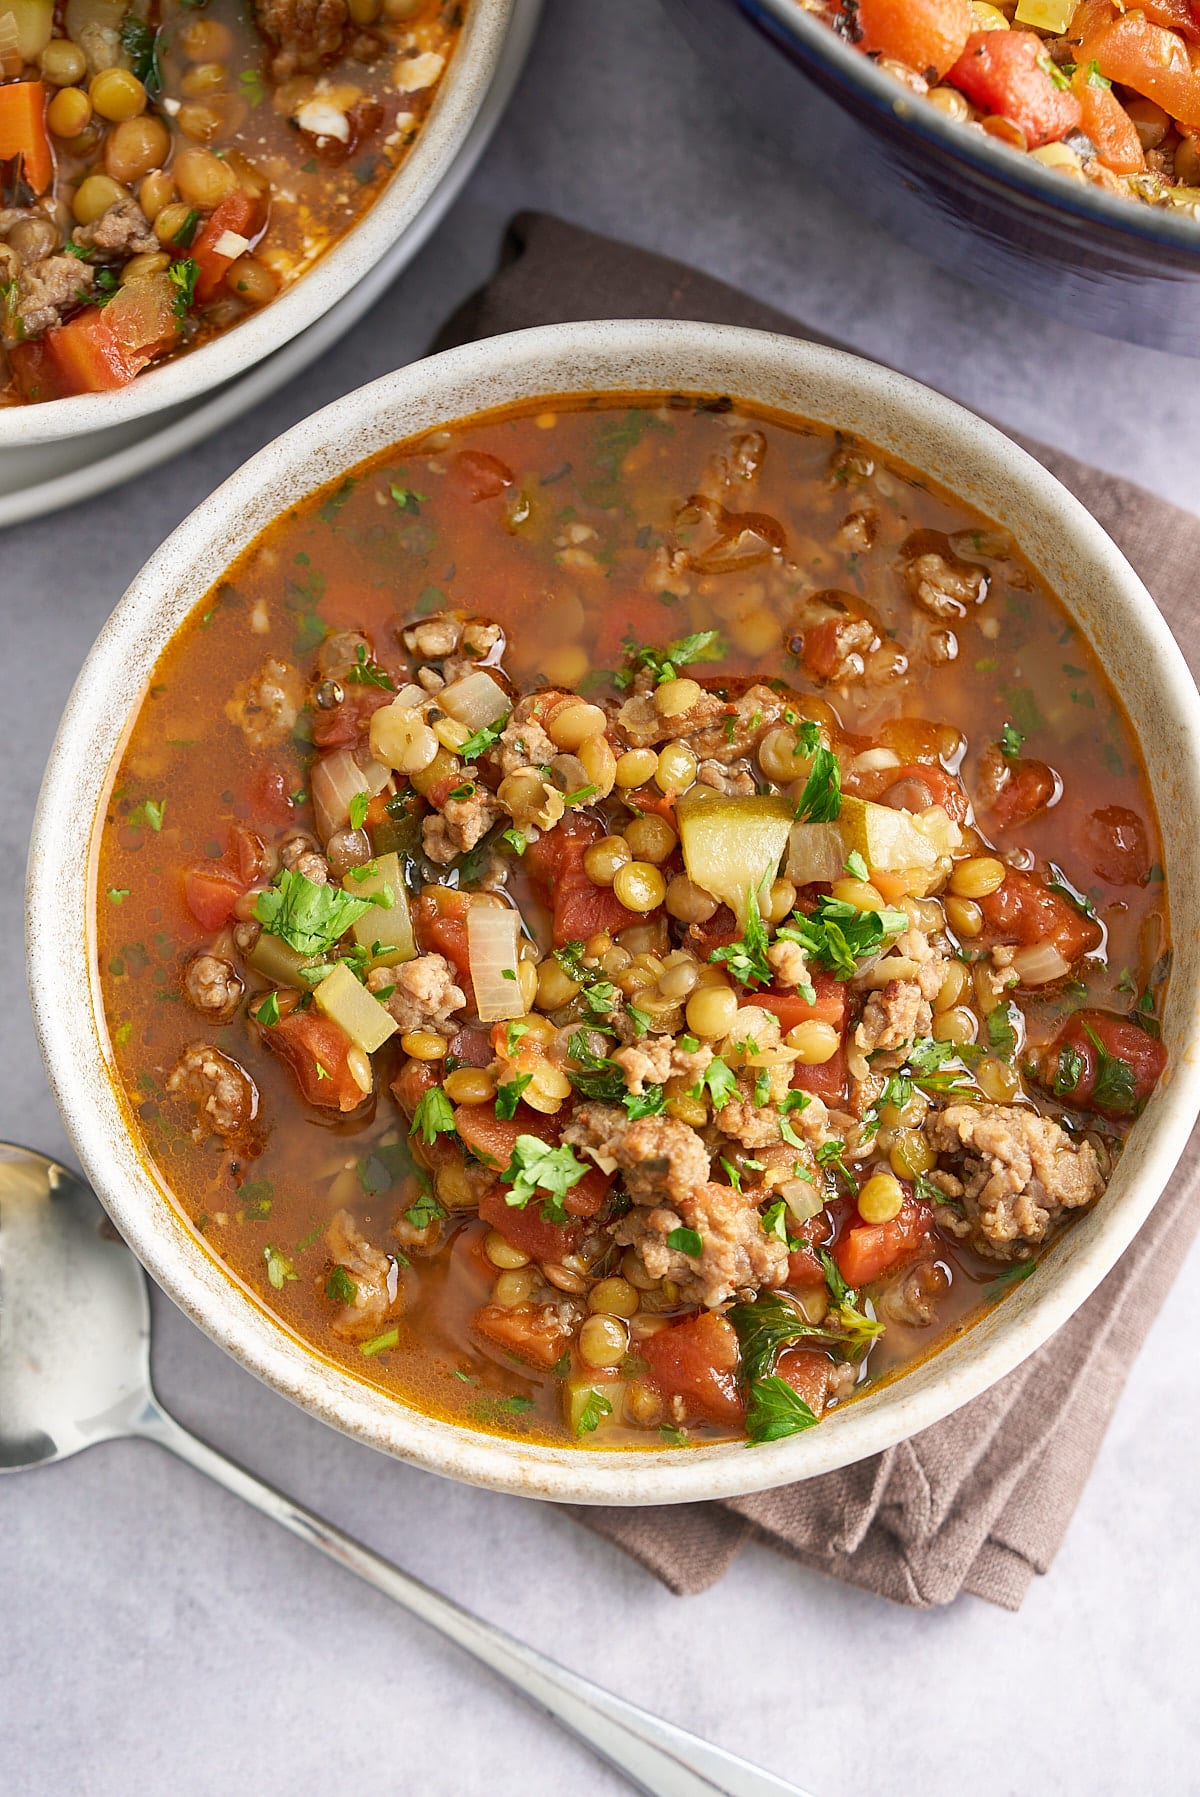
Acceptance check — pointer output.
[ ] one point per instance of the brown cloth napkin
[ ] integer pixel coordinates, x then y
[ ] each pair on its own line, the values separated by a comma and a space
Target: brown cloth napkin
981, 1501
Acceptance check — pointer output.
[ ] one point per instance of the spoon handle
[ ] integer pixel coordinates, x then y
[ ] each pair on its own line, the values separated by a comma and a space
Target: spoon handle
654, 1755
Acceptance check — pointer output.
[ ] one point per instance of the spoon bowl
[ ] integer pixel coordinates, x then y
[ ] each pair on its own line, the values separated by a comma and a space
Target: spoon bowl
59, 1252
65, 1389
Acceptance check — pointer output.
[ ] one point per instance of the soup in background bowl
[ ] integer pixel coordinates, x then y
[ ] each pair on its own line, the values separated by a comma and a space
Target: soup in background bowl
632, 920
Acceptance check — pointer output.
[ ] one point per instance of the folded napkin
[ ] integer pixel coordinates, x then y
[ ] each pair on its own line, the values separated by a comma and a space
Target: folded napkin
981, 1501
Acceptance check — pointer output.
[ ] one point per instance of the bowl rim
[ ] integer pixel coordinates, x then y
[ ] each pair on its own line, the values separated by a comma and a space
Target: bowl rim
620, 356
461, 93
848, 67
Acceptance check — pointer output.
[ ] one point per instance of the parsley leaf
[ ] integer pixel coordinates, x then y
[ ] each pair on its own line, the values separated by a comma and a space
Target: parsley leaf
339, 1287
1068, 1071
536, 1166
1011, 742
597, 1406
645, 1104
279, 1267
308, 918
433, 1117
686, 1241
1114, 1087
268, 1011
364, 672
481, 742
516, 839
837, 937
1012, 1274
719, 1079
821, 800
774, 1410
424, 1210
747, 959
1002, 1026
359, 805
775, 1222
183, 275
508, 1096
701, 645
856, 867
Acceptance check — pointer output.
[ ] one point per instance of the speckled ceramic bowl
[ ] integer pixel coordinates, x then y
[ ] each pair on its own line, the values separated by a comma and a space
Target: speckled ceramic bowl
462, 93
903, 419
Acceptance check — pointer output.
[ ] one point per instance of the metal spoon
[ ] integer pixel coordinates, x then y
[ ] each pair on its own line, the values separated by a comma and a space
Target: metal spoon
56, 1246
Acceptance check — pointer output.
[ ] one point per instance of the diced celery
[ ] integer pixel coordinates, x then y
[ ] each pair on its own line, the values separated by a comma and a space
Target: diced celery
1046, 15
392, 927
577, 1394
888, 841
278, 962
493, 947
815, 852
733, 845
345, 1001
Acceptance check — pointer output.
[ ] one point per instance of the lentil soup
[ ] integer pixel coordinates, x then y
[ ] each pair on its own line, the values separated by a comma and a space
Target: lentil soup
624, 921
167, 170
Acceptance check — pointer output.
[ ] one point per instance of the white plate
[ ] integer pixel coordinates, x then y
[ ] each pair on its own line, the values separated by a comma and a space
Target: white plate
38, 478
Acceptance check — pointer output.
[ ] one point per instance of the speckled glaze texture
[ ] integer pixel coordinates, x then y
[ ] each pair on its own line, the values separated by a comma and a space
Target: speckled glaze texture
903, 419
459, 99
991, 217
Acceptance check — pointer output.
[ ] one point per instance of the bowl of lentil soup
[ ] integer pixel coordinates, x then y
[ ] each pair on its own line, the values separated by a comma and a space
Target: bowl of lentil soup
1045, 149
224, 179
627, 928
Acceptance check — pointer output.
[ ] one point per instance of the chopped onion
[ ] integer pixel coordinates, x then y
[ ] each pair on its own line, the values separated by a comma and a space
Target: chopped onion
336, 779
231, 244
476, 700
802, 1199
815, 852
409, 697
492, 937
1040, 964
937, 824
12, 59
871, 760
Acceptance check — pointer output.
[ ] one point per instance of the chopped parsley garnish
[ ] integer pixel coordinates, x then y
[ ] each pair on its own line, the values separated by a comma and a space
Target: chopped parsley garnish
359, 805
479, 744
774, 1410
1011, 742
837, 937
821, 800
508, 1096
307, 917
673, 1435
465, 791
640, 1020
686, 1241
512, 1035
701, 645
1114, 1087
1060, 884
830, 1157
596, 1407
139, 40
268, 1011
645, 1104
747, 959
1002, 1026
253, 86
516, 839
775, 1223
149, 812
719, 1081
856, 867
187, 230
339, 1287
534, 1167
580, 794
118, 894
424, 1210
279, 1268
433, 1117
379, 1344
406, 499
183, 275
365, 672
1012, 1275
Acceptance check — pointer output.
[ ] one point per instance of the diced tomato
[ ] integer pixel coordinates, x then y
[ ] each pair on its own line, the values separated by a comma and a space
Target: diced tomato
492, 1139
236, 215
866, 1251
1030, 787
1152, 60
1176, 15
658, 804
98, 351
412, 1082
440, 924
248, 853
904, 784
23, 131
826, 1079
1005, 72
527, 1229
317, 1050
1123, 1087
823, 650
804, 1264
927, 35
1116, 846
697, 1360
536, 1333
270, 796
344, 723
807, 1371
580, 908
482, 476
210, 891
1105, 121
1025, 911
